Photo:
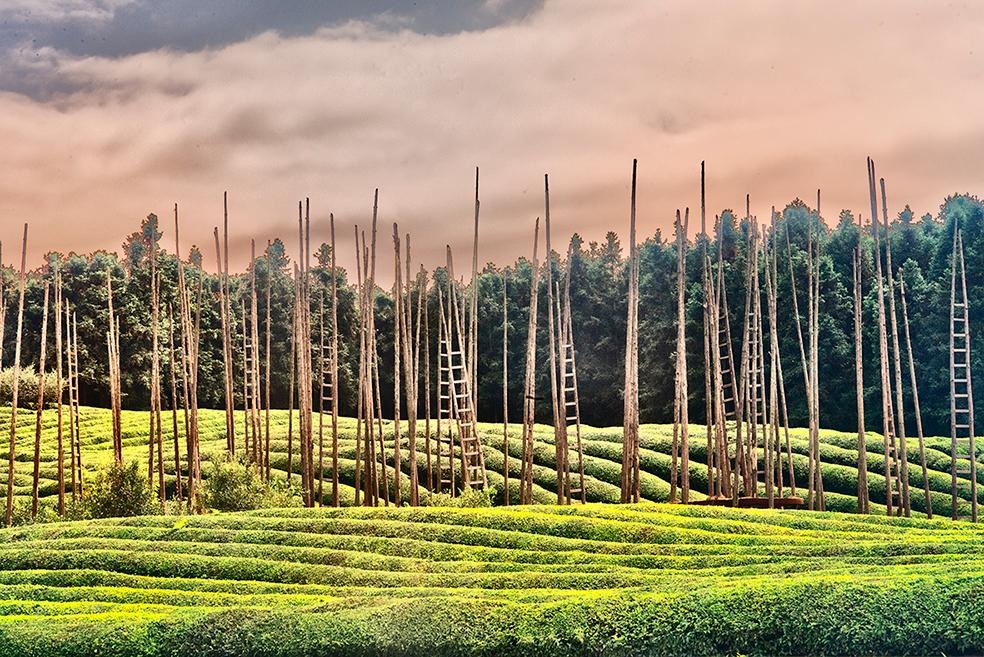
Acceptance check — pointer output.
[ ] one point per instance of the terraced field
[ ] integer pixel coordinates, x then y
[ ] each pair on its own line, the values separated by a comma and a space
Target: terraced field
602, 448
602, 462
595, 580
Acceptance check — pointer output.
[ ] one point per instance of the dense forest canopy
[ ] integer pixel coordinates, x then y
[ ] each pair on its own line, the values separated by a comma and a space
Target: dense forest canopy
921, 249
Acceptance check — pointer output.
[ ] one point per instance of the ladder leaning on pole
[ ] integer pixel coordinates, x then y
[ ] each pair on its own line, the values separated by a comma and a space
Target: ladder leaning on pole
961, 389
474, 474
568, 382
445, 439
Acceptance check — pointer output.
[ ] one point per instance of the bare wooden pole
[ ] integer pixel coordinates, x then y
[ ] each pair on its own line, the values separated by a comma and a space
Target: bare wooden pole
427, 382
915, 400
334, 367
707, 336
556, 394
863, 502
505, 393
15, 386
892, 483
360, 407
896, 363
529, 384
681, 420
38, 417
190, 334
112, 344
399, 319
473, 324
178, 492
268, 329
58, 386
630, 429
226, 309
292, 385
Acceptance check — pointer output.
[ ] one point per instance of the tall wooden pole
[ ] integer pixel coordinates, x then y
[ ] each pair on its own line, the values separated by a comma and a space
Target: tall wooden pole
630, 428
892, 484
556, 394
529, 383
505, 393
15, 386
427, 381
398, 326
58, 387
178, 492
915, 400
863, 503
473, 313
681, 420
266, 367
38, 417
896, 362
334, 367
707, 335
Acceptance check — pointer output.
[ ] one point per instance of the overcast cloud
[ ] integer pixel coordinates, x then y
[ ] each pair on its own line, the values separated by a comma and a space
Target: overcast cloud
114, 109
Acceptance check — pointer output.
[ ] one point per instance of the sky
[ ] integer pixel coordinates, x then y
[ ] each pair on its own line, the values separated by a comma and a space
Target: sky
112, 109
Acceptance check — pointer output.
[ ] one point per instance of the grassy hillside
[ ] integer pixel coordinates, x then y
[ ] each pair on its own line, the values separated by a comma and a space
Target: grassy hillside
602, 457
601, 579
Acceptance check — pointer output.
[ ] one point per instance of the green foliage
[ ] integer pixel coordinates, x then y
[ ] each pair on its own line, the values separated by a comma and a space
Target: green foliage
234, 485
117, 491
644, 579
27, 388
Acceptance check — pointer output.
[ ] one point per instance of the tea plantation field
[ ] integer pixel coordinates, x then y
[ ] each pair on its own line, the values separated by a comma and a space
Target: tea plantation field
602, 457
649, 579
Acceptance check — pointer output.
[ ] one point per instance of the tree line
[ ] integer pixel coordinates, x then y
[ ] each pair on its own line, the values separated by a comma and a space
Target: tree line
921, 249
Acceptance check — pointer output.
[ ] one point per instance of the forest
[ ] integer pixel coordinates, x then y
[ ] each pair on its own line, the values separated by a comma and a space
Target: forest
921, 252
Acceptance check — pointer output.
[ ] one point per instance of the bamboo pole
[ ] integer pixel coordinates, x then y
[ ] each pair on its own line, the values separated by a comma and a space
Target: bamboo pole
863, 501
505, 390
334, 367
15, 387
630, 429
190, 342
58, 386
268, 329
71, 402
38, 417
398, 342
427, 383
915, 399
292, 387
681, 419
77, 451
178, 492
473, 324
529, 384
556, 392
888, 428
896, 363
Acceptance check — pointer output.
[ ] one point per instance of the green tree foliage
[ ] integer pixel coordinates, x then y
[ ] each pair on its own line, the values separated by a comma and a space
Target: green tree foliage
921, 257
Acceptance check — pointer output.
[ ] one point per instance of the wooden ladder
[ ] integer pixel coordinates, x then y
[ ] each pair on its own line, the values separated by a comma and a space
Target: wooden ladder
251, 416
445, 438
572, 403
961, 388
460, 392
326, 391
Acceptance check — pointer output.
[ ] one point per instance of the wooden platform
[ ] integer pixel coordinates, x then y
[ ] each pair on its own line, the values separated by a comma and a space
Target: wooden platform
753, 502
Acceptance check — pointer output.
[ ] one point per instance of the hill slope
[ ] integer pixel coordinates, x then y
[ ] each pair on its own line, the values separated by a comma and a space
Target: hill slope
602, 457
599, 579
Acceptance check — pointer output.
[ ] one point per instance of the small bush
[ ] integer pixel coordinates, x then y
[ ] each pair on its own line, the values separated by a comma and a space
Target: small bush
469, 499
233, 485
121, 490
27, 392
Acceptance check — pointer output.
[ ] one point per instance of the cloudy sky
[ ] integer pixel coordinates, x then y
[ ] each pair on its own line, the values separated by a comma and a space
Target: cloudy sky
111, 109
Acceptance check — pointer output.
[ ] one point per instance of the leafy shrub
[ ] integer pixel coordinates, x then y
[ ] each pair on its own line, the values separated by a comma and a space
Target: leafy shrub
120, 490
27, 393
233, 485
469, 499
